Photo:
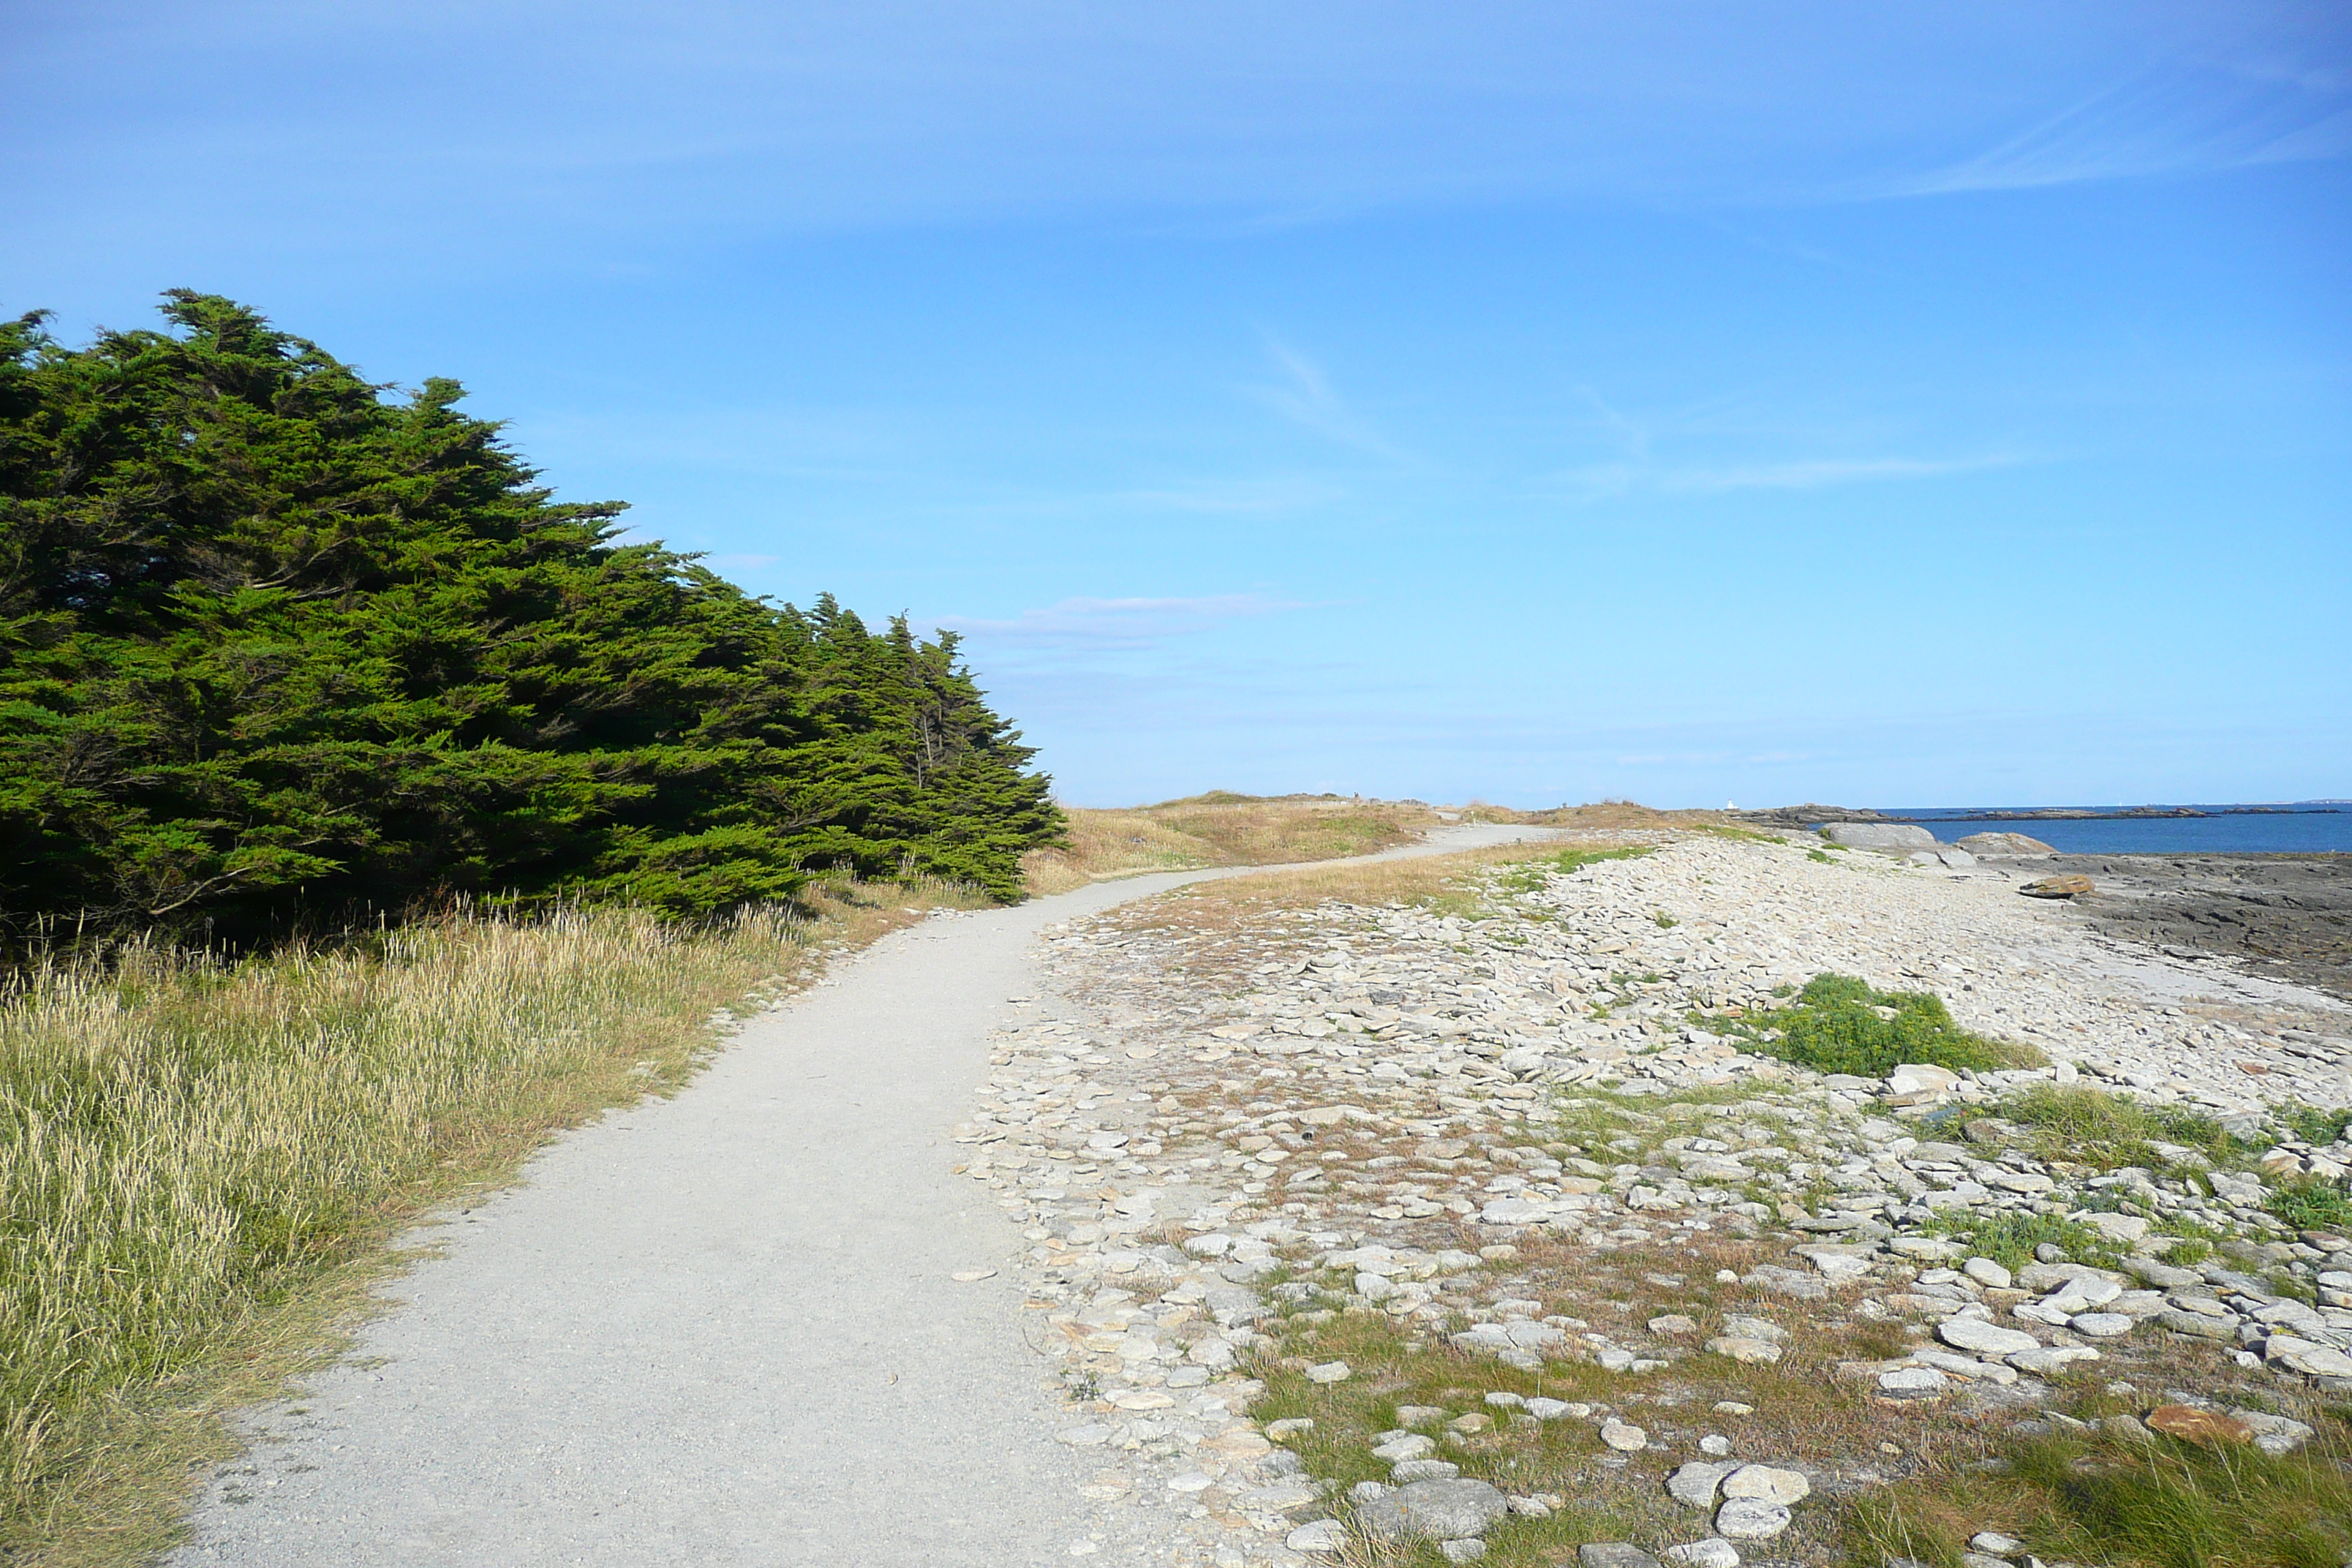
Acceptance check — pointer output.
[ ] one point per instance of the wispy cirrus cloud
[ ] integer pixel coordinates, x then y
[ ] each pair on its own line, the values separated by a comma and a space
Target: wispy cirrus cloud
1305, 397
1116, 623
2183, 117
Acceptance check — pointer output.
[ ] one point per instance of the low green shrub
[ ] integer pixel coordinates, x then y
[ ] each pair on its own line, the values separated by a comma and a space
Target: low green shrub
2308, 1202
1839, 1024
2314, 1126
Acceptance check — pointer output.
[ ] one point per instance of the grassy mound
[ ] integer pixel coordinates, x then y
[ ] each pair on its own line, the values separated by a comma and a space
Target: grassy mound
1841, 1024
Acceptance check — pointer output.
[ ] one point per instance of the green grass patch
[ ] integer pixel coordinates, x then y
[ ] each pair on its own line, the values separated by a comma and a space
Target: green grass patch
1534, 876
1745, 834
2308, 1202
2092, 1127
2315, 1127
2009, 1239
2125, 1502
1817, 855
1841, 1024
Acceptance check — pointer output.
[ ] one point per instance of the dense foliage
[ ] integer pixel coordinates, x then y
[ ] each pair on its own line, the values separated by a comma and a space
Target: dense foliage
276, 648
1839, 1024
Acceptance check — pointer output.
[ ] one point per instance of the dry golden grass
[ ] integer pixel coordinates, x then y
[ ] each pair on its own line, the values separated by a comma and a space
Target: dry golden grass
1221, 829
1605, 816
205, 1163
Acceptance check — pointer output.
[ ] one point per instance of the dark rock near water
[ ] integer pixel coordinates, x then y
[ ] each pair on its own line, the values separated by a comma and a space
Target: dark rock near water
2285, 916
1809, 814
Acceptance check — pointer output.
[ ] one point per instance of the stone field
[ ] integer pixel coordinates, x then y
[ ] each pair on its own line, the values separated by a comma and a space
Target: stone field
1481, 1222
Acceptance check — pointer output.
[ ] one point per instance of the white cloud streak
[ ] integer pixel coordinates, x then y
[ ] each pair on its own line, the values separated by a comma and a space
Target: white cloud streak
1305, 397
2177, 119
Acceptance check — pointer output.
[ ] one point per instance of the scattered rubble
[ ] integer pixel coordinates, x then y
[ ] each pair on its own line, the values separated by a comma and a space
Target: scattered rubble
1227, 1134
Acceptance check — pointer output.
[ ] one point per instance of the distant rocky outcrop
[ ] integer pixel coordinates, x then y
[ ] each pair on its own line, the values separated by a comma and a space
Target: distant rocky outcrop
2004, 845
1810, 814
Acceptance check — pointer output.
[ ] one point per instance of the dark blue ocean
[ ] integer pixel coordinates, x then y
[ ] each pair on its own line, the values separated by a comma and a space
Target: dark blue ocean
2228, 829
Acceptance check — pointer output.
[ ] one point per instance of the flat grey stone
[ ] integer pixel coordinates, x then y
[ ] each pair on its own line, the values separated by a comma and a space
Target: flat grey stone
1613, 1555
1434, 1511
2305, 1356
1982, 1338
2197, 1324
1413, 1471
1767, 1483
1695, 1485
1913, 1382
1751, 1519
1712, 1553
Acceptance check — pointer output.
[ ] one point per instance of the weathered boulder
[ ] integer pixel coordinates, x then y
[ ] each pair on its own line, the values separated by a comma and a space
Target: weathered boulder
1995, 845
1879, 835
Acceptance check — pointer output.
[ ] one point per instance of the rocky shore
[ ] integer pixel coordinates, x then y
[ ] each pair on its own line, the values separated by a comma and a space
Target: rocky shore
1359, 1223
2285, 916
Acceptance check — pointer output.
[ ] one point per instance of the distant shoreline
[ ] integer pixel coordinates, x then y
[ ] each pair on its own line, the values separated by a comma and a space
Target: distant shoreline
2093, 814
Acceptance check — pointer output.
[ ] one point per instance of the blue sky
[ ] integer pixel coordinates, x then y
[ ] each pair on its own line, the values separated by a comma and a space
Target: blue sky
1920, 405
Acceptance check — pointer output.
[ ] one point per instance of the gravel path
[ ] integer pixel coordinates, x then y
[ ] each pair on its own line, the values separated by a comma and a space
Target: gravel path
719, 1329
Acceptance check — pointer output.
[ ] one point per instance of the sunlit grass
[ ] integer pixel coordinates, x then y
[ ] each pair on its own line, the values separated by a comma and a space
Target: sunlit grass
187, 1147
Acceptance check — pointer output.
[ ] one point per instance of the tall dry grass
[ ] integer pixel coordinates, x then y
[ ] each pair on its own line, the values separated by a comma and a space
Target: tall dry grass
1221, 829
195, 1155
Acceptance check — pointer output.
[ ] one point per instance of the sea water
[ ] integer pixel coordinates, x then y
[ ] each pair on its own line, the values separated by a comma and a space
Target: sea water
2317, 828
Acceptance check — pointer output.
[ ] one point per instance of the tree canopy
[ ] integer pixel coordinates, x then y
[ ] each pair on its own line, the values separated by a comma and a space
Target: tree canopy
276, 645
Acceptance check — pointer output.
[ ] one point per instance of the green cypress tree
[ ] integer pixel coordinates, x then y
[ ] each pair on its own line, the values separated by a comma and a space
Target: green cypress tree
274, 647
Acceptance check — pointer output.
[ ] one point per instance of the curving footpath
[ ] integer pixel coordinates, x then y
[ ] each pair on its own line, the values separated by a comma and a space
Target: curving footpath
720, 1329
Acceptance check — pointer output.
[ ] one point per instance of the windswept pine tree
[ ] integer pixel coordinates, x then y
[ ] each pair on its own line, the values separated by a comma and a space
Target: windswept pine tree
277, 647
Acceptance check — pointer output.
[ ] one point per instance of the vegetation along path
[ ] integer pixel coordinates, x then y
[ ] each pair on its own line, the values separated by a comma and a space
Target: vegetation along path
724, 1328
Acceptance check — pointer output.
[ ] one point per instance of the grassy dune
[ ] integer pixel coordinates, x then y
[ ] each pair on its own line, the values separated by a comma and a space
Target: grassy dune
1221, 829
202, 1164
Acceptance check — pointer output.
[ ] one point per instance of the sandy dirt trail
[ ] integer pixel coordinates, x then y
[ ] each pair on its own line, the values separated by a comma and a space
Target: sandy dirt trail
719, 1329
